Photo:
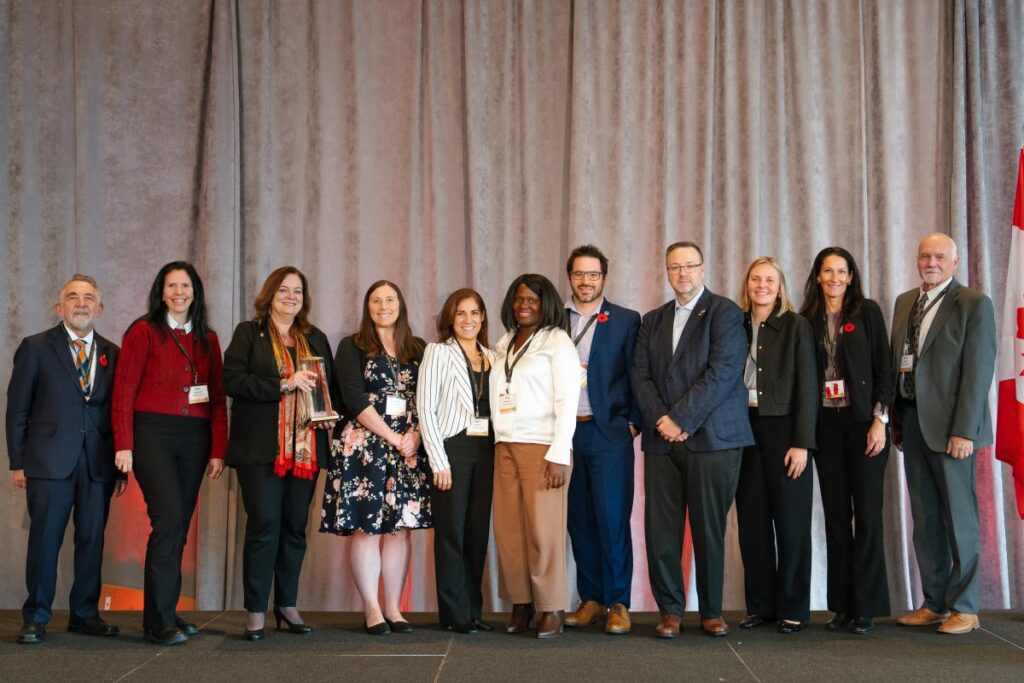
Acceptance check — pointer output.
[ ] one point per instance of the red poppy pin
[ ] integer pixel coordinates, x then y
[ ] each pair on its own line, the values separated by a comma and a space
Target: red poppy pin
848, 328
602, 317
103, 360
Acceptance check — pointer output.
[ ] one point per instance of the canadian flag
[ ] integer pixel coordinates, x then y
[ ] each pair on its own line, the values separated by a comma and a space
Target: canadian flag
1010, 419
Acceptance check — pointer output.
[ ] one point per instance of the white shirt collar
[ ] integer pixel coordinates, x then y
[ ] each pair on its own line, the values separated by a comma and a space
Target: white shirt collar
571, 305
937, 289
691, 303
74, 335
175, 325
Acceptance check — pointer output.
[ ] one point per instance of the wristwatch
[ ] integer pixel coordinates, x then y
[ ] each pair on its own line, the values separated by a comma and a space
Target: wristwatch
284, 386
883, 418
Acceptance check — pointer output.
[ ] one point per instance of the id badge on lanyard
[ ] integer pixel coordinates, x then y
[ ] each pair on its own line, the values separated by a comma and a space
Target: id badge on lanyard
835, 389
394, 406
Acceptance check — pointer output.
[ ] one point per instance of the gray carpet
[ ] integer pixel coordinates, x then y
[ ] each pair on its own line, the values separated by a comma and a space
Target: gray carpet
339, 650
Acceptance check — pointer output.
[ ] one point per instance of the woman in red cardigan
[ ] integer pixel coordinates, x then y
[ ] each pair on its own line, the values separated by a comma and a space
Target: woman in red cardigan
170, 424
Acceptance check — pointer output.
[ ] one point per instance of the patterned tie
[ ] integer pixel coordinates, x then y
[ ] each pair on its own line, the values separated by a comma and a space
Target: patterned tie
916, 317
81, 364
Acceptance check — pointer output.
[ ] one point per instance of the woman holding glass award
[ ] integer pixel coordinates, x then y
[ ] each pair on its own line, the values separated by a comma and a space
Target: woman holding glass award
277, 370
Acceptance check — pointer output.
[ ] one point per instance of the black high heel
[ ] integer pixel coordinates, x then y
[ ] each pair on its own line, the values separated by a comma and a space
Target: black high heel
380, 629
300, 629
254, 635
399, 626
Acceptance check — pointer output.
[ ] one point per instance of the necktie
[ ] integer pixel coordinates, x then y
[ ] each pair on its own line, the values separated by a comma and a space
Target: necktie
916, 317
81, 364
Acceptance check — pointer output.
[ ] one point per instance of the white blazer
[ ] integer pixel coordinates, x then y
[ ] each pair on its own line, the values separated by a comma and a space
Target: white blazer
444, 398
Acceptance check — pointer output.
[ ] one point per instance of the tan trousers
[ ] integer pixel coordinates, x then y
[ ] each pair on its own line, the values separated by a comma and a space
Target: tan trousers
530, 528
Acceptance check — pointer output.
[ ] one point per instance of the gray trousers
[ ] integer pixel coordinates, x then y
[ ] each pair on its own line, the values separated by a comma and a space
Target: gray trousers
944, 504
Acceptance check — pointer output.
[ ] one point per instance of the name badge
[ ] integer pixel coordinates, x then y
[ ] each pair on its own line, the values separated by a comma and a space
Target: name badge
835, 389
506, 402
478, 426
907, 362
394, 406
198, 394
583, 375
752, 398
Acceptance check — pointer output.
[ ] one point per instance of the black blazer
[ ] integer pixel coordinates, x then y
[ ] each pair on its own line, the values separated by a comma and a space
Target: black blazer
787, 378
863, 357
49, 421
252, 381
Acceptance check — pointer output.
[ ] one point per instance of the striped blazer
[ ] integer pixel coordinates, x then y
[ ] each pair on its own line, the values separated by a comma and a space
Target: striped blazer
444, 398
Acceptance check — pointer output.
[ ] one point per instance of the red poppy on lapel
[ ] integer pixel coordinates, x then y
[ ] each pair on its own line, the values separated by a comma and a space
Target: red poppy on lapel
602, 317
103, 360
849, 327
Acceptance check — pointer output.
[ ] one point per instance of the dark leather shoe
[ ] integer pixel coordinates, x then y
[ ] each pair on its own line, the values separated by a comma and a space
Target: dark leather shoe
862, 625
670, 626
482, 625
380, 629
169, 636
399, 626
715, 626
31, 633
297, 627
753, 621
551, 624
521, 618
786, 627
838, 622
467, 627
186, 627
255, 634
93, 626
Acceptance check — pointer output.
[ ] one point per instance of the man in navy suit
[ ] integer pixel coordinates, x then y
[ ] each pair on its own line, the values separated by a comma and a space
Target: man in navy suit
688, 381
62, 453
601, 487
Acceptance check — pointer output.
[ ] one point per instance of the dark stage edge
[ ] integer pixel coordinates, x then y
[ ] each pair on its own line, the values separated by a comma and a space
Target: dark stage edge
338, 650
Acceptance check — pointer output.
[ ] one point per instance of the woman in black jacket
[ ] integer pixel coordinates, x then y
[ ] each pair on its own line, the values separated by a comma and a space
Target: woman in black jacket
275, 450
774, 497
856, 380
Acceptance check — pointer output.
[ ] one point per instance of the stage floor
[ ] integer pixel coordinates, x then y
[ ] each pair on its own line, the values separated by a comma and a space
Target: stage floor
338, 650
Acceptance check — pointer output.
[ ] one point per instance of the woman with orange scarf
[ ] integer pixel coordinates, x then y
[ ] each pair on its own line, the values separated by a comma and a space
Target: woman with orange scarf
275, 450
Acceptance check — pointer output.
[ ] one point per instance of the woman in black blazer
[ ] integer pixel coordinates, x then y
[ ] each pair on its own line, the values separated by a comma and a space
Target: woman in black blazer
853, 446
775, 494
276, 453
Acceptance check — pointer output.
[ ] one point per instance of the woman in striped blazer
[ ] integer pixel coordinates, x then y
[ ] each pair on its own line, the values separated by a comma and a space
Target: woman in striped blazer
454, 405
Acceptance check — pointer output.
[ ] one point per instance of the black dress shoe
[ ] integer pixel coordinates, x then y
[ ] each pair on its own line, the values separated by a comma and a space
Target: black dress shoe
482, 625
862, 625
398, 626
380, 629
255, 634
93, 626
31, 633
785, 626
753, 621
186, 627
293, 627
464, 627
838, 622
172, 635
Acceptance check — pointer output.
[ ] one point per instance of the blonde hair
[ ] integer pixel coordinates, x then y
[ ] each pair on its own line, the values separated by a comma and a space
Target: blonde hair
784, 303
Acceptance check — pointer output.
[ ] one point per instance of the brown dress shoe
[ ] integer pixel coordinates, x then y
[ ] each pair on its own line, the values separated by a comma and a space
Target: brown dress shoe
550, 624
715, 626
960, 623
521, 618
922, 617
670, 626
618, 621
586, 614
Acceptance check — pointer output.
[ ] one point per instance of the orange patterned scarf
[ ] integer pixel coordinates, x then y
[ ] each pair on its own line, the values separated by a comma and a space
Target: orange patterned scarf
296, 446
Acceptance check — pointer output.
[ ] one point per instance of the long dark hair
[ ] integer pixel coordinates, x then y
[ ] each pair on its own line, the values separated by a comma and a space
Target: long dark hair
814, 301
552, 312
156, 314
266, 296
446, 319
407, 347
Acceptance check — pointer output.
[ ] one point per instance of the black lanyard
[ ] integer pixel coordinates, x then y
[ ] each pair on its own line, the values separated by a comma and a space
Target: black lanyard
576, 340
395, 371
515, 361
476, 383
191, 364
924, 314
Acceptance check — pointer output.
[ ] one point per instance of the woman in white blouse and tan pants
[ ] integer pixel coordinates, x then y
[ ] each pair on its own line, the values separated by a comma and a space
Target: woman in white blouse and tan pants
535, 390
454, 409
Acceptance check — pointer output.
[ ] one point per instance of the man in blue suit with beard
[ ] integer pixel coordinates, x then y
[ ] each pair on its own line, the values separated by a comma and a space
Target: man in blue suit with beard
61, 449
607, 421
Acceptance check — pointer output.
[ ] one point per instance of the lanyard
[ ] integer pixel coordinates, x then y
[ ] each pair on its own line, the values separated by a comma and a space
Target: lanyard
515, 361
477, 384
576, 340
396, 370
88, 361
924, 313
191, 364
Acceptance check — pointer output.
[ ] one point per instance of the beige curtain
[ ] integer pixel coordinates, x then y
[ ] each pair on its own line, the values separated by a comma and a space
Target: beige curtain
447, 143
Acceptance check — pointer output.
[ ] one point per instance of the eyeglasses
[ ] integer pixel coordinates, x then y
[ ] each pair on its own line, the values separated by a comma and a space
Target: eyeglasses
687, 268
591, 275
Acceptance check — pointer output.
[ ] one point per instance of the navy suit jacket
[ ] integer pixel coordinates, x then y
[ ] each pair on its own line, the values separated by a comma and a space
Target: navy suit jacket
700, 384
611, 359
49, 421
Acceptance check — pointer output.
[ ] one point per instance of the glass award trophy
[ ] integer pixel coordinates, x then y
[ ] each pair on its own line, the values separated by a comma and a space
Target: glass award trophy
320, 395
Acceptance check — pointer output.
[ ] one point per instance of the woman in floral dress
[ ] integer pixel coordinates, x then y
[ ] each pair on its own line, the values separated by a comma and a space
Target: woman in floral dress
377, 487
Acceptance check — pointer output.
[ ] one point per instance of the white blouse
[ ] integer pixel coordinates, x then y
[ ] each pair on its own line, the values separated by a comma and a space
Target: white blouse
546, 387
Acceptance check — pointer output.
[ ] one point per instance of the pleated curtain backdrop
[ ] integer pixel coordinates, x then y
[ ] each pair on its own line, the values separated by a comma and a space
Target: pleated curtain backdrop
448, 143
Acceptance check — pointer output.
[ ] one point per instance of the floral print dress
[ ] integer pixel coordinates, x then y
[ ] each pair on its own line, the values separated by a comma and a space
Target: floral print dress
370, 486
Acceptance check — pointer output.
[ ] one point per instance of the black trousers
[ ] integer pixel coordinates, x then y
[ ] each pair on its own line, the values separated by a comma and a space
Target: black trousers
462, 522
703, 484
277, 511
170, 456
774, 515
852, 485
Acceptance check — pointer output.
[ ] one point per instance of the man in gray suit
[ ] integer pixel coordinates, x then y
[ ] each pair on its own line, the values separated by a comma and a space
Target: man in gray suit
944, 350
